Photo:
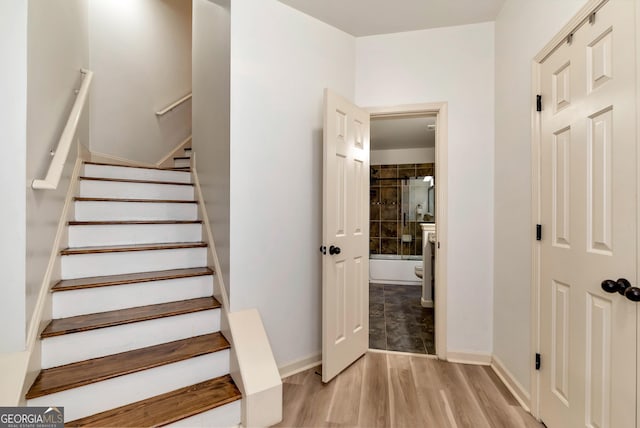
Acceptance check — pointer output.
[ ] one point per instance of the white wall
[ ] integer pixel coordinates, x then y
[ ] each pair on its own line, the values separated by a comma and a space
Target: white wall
13, 122
211, 116
281, 60
456, 65
522, 30
401, 156
57, 50
141, 57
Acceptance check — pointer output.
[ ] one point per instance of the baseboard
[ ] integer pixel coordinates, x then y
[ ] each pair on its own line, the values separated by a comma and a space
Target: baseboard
106, 158
300, 365
520, 394
469, 358
167, 161
426, 303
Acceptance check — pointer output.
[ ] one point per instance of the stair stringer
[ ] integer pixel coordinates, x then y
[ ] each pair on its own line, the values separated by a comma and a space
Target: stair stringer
22, 369
253, 366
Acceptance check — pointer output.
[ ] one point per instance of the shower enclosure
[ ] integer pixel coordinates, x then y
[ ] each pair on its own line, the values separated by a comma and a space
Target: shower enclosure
402, 197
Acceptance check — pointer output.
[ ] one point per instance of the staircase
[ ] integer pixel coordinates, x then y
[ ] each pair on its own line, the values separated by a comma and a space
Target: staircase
135, 336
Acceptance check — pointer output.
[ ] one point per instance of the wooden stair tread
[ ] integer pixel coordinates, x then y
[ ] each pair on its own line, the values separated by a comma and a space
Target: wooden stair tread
82, 373
132, 222
132, 278
131, 180
136, 247
161, 201
124, 166
167, 408
58, 327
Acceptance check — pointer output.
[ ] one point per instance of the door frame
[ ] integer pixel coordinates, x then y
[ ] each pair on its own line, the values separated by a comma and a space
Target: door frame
578, 20
439, 109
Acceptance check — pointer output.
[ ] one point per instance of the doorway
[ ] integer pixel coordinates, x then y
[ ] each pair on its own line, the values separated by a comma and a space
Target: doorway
408, 206
345, 247
402, 234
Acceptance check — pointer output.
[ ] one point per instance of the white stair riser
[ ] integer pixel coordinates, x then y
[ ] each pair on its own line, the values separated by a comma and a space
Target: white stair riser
181, 163
87, 236
123, 211
101, 264
107, 171
70, 348
98, 397
102, 299
128, 190
227, 416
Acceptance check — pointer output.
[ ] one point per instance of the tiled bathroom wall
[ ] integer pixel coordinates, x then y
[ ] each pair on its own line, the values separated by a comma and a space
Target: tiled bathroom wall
387, 225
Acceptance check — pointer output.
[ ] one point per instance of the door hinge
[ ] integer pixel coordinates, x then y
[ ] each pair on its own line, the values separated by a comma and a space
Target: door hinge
538, 359
538, 232
538, 102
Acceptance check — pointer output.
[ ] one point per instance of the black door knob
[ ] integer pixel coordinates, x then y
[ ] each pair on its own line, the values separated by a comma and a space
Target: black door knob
609, 285
633, 294
619, 286
334, 250
622, 286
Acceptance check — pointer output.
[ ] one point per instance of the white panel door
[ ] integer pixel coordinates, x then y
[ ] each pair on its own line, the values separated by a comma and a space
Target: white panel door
588, 210
345, 266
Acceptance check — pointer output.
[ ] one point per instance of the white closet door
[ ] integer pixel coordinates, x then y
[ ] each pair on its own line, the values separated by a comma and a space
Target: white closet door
588, 207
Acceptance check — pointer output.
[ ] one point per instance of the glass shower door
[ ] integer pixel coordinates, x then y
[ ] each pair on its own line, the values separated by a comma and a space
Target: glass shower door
418, 206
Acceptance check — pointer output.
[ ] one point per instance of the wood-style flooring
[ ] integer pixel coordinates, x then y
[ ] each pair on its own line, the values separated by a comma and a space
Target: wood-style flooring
81, 373
391, 390
167, 408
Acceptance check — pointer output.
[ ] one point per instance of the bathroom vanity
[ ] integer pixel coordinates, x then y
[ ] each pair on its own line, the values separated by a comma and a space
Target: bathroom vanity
428, 264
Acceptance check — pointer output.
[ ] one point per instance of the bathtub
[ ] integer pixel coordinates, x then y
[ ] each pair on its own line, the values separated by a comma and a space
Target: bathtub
394, 269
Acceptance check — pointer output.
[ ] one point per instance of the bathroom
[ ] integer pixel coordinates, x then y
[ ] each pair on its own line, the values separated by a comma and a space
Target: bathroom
402, 234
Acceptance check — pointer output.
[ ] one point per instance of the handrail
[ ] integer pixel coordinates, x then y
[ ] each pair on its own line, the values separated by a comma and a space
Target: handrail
51, 181
174, 105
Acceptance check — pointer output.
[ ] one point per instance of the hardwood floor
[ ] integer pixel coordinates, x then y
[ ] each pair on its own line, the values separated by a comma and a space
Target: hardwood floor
58, 327
390, 390
74, 375
167, 408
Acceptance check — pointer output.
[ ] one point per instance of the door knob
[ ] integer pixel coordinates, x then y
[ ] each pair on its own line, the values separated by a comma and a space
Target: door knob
334, 250
619, 286
622, 286
633, 294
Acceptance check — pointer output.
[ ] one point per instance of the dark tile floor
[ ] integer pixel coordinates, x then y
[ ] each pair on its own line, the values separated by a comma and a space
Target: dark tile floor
397, 322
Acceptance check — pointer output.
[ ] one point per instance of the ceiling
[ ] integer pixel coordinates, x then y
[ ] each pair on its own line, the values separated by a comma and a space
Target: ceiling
403, 133
368, 17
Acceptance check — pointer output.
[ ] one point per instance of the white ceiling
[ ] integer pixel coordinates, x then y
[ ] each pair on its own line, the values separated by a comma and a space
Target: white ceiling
402, 133
369, 17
